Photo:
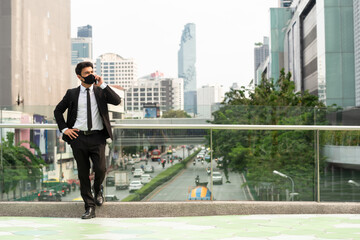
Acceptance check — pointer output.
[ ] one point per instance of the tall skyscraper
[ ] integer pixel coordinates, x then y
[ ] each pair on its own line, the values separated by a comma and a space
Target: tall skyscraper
84, 31
187, 68
34, 52
116, 70
261, 52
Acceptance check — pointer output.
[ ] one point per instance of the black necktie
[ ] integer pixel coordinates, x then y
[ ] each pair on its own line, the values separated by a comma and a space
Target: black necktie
89, 120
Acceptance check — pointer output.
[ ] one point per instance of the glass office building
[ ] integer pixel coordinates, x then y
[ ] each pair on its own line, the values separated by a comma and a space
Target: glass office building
319, 50
81, 48
186, 66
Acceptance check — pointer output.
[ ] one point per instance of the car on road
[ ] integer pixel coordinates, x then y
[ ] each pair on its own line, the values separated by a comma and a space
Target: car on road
145, 178
135, 185
148, 169
49, 195
217, 178
111, 198
138, 172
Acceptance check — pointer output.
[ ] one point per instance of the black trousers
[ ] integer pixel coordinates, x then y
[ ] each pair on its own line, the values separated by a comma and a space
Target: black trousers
85, 147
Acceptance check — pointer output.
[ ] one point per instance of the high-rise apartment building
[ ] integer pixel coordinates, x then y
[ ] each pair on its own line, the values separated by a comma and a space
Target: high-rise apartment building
34, 51
85, 31
261, 52
116, 70
186, 66
168, 93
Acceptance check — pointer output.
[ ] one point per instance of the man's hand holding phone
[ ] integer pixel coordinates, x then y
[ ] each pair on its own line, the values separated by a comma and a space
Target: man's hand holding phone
99, 80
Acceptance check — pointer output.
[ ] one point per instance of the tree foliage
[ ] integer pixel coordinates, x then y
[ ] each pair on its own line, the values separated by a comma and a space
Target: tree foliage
19, 163
175, 114
260, 152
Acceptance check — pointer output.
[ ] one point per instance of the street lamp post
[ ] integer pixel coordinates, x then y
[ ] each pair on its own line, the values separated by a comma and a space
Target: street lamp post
292, 182
352, 182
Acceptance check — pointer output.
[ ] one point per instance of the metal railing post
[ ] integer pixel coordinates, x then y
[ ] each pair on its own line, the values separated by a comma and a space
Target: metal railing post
211, 165
318, 164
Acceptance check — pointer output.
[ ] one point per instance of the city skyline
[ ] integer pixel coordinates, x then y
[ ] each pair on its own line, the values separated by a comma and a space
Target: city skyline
226, 33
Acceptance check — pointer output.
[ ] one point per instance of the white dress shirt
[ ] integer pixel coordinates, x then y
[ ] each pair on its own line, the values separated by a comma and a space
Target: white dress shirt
81, 119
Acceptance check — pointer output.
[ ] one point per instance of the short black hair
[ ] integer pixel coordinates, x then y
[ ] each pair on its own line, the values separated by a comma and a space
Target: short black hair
80, 66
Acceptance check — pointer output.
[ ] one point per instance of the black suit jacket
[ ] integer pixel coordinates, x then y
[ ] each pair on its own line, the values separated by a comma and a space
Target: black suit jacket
70, 103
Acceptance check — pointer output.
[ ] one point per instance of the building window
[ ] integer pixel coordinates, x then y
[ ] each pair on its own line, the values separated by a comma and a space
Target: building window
128, 94
142, 94
128, 99
156, 94
149, 99
136, 94
156, 99
142, 99
149, 94
142, 89
156, 89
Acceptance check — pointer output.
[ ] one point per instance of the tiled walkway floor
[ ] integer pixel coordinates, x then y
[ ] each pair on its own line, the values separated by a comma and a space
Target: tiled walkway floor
252, 227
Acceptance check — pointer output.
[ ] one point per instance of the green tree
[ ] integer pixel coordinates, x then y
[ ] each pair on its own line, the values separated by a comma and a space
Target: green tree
175, 114
260, 152
19, 163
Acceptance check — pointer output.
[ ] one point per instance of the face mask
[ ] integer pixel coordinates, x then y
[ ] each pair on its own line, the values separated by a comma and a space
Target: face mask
89, 79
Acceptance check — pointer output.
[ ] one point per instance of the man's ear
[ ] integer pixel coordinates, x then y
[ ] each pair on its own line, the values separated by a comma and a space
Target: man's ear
80, 78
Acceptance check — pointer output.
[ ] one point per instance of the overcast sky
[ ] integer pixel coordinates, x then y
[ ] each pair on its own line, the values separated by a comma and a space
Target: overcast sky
149, 31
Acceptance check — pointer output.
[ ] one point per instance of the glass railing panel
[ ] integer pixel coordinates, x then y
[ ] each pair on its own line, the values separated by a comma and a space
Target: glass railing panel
165, 156
264, 165
340, 166
245, 159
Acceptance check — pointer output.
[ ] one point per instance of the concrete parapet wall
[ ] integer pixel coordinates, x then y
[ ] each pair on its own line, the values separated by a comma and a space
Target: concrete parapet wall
175, 209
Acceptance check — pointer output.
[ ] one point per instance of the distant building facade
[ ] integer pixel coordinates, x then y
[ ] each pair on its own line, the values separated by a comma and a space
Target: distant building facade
261, 52
208, 100
116, 70
84, 31
168, 93
34, 52
187, 66
81, 49
285, 3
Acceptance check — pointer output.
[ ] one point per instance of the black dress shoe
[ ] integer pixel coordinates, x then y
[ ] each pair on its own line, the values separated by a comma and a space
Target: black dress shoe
89, 213
99, 198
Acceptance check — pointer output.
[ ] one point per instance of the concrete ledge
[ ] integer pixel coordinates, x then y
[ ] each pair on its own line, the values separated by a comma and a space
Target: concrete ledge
175, 209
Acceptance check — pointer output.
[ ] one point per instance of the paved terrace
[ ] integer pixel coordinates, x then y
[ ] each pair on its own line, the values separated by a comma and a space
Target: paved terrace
182, 220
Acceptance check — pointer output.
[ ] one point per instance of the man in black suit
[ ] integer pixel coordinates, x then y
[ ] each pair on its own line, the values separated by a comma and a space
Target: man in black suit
86, 129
